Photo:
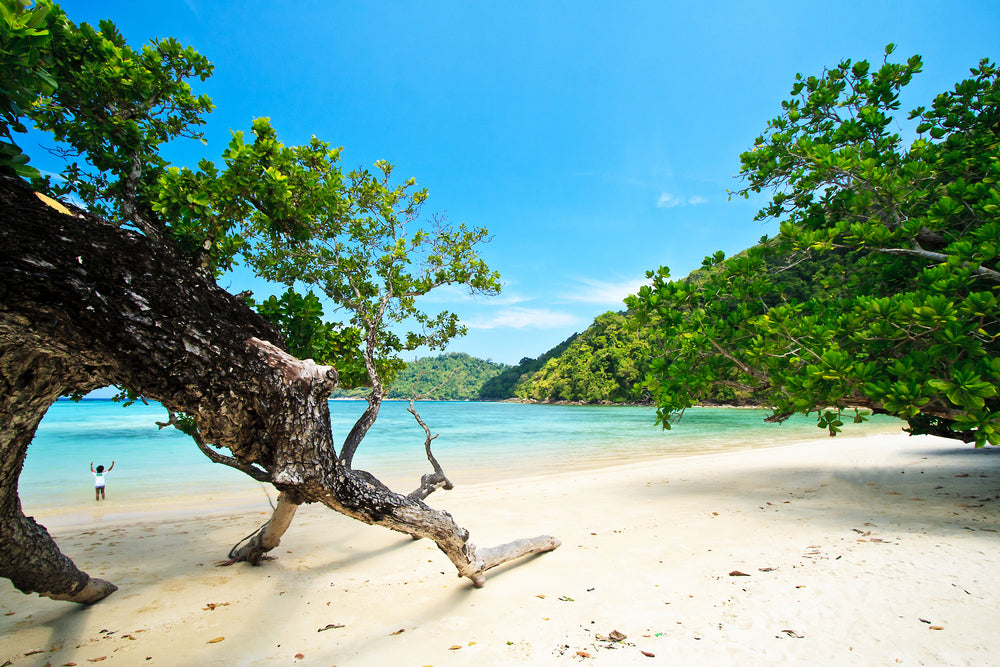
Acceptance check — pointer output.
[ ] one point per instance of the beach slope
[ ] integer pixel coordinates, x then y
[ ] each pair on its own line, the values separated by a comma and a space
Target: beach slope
877, 550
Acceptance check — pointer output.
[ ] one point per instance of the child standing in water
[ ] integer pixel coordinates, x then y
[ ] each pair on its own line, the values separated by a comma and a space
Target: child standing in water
99, 479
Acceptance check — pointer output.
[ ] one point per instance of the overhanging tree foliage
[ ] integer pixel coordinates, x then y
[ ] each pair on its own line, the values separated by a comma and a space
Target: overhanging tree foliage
912, 329
87, 302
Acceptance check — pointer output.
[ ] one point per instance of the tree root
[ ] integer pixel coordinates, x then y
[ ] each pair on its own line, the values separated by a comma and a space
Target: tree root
253, 548
33, 563
93, 591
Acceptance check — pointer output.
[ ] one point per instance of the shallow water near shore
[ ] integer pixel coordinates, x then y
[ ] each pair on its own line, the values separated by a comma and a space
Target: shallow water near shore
478, 442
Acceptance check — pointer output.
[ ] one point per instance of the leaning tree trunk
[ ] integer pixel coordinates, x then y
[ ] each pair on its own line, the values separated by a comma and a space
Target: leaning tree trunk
85, 304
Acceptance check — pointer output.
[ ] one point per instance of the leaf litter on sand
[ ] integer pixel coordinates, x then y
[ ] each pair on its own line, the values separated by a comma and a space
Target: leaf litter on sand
614, 639
330, 626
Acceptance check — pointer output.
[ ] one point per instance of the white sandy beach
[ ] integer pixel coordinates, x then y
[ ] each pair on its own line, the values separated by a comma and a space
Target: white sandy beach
859, 551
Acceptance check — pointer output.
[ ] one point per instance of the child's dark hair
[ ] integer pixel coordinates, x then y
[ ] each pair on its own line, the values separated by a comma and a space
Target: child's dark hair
100, 468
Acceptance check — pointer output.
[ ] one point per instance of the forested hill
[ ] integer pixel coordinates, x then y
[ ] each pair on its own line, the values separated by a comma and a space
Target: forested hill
603, 364
502, 386
448, 377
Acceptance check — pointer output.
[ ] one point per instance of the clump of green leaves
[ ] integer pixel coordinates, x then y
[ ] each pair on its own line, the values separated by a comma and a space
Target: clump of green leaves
264, 189
371, 262
25, 59
309, 336
912, 328
291, 214
112, 109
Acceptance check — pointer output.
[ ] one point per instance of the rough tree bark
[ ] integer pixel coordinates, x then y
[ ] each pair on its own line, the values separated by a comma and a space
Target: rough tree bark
85, 304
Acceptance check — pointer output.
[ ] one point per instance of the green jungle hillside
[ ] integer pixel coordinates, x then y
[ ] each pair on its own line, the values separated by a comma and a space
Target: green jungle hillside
601, 365
448, 377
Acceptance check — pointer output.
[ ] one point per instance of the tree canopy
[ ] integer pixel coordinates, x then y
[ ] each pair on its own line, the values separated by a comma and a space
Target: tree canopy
914, 231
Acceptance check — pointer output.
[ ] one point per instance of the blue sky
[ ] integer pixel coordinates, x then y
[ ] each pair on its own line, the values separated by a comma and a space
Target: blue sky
595, 140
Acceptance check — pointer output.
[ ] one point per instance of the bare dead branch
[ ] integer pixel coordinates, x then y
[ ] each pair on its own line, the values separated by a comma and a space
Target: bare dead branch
430, 482
982, 271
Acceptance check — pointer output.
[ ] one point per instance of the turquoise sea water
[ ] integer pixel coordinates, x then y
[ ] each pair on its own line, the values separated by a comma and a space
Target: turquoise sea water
478, 442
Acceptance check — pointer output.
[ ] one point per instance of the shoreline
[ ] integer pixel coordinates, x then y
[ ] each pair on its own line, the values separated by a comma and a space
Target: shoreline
853, 550
479, 441
242, 494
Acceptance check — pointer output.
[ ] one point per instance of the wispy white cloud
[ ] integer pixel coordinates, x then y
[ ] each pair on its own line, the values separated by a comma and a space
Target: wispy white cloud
598, 291
508, 299
524, 318
458, 294
668, 200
